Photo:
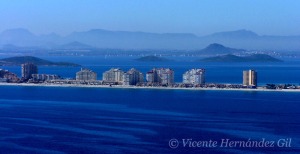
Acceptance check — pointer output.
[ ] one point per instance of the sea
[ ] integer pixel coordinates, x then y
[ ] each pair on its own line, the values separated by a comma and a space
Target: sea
111, 120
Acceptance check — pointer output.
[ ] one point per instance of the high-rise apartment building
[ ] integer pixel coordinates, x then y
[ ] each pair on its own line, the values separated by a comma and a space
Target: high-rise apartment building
163, 76
194, 76
132, 77
113, 75
28, 69
152, 76
86, 75
249, 78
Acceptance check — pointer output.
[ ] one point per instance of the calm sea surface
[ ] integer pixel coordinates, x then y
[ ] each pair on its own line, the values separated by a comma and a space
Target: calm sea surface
104, 120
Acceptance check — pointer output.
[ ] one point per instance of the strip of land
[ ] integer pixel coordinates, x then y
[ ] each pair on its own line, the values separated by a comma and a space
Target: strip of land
147, 87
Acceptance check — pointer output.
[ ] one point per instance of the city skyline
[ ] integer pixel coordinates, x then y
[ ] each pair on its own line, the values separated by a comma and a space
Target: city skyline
197, 17
156, 77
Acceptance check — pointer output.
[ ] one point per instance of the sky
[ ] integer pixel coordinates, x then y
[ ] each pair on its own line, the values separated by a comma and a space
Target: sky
201, 17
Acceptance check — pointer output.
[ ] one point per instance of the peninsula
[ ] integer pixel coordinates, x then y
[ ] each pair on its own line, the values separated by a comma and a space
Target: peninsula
18, 60
89, 85
234, 58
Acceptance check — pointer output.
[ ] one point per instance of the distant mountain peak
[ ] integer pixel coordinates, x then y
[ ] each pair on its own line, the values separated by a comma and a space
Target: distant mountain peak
22, 31
215, 45
216, 48
19, 37
17, 33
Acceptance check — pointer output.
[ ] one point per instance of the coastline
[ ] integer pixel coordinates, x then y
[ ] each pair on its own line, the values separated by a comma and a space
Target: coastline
137, 87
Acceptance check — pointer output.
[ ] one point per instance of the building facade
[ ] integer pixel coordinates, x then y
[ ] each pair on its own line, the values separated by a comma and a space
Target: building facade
28, 69
113, 75
194, 76
152, 76
249, 78
44, 77
86, 75
163, 76
132, 77
6, 76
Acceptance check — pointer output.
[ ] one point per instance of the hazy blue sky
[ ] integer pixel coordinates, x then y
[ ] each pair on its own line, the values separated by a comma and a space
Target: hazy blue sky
266, 17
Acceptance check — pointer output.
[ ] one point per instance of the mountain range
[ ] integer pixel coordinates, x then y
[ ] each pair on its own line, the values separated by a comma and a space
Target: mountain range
18, 39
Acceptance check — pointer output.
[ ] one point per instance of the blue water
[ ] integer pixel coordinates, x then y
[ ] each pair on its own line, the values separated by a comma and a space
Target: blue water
92, 120
96, 120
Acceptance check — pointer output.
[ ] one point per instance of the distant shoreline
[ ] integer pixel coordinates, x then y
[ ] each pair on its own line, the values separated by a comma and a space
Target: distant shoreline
138, 87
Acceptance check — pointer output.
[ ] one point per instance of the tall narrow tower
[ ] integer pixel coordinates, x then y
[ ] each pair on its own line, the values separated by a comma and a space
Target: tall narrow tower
28, 69
249, 78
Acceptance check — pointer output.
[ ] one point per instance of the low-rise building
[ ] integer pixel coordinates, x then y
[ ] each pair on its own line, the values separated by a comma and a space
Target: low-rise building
6, 76
86, 75
44, 77
194, 76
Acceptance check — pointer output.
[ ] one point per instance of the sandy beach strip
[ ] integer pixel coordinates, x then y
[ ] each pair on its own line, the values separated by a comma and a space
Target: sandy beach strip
137, 87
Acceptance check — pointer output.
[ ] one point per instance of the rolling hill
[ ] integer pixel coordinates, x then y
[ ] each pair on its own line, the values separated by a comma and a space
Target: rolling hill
234, 58
29, 59
215, 48
152, 59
